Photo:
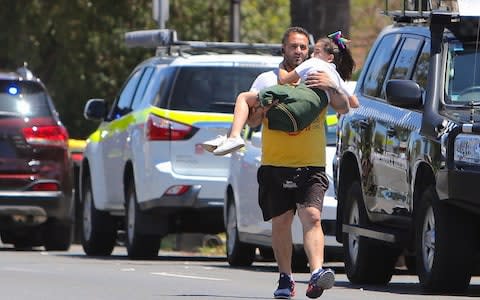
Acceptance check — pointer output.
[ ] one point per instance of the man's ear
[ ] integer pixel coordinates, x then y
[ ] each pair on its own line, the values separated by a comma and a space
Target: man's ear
282, 50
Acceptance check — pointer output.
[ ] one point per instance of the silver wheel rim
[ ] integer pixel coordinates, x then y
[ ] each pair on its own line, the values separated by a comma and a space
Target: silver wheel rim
353, 219
231, 229
87, 215
428, 239
131, 218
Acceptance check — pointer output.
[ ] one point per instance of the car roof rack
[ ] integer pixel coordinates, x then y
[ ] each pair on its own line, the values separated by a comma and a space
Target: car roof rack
420, 11
166, 42
24, 72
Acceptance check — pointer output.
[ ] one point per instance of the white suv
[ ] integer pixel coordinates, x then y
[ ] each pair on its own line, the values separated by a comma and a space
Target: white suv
144, 170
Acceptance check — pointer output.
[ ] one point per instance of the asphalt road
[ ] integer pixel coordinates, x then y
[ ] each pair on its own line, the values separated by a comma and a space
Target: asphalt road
72, 275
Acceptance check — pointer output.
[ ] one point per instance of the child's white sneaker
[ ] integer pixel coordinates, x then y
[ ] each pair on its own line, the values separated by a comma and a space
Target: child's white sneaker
211, 145
229, 145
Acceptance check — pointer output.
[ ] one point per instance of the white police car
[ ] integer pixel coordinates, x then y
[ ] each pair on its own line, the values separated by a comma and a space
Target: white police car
144, 170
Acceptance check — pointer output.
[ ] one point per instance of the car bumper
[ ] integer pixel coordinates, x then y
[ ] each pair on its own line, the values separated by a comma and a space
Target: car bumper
32, 208
203, 191
459, 187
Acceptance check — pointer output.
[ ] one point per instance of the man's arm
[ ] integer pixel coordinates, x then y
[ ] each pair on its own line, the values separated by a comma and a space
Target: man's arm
338, 100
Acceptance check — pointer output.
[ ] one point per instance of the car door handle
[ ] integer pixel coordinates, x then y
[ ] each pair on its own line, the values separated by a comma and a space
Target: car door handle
363, 123
391, 131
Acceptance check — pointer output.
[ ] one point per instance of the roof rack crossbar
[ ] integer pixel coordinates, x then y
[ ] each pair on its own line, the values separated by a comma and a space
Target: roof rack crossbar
415, 11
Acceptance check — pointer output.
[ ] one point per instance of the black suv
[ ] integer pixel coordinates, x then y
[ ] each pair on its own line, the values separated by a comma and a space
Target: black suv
408, 160
35, 166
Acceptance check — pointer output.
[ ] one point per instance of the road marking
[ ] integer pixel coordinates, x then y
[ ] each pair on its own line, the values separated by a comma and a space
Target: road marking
187, 276
26, 270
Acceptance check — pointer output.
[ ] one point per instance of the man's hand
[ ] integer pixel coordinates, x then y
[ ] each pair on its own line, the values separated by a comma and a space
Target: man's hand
338, 100
255, 116
257, 113
320, 80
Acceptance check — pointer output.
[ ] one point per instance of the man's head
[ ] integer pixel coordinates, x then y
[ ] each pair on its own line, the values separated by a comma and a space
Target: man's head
294, 47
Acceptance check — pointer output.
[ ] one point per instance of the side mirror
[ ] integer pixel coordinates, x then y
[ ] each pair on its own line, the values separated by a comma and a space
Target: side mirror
95, 109
404, 93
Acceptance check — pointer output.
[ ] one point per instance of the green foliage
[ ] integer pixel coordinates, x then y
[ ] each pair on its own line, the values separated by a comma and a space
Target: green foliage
77, 47
261, 21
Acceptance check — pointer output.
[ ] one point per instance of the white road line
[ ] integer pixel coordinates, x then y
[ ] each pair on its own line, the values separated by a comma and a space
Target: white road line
187, 276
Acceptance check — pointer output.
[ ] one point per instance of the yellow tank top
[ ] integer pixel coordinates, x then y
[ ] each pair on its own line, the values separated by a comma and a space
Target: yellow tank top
299, 149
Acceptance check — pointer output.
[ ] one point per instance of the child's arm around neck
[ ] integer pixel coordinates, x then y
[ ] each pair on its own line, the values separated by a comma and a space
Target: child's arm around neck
285, 77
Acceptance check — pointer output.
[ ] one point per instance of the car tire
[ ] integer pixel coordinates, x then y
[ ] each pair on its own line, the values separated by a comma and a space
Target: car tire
58, 235
445, 244
23, 239
367, 261
239, 254
138, 245
99, 230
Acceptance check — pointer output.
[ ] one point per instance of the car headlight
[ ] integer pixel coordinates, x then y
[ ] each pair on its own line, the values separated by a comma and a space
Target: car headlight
467, 149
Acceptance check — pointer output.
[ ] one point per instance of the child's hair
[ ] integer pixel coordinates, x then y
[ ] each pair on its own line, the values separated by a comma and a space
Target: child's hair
342, 57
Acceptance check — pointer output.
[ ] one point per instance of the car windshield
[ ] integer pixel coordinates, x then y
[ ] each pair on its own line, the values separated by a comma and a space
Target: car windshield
211, 88
23, 99
462, 84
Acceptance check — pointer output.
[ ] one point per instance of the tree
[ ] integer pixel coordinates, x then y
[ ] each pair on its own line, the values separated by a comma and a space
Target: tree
321, 17
77, 47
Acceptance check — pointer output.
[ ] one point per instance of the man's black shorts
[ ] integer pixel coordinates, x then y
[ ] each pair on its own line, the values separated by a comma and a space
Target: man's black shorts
281, 189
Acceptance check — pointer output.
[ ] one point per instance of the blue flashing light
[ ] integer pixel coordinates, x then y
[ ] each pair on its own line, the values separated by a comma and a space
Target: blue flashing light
13, 90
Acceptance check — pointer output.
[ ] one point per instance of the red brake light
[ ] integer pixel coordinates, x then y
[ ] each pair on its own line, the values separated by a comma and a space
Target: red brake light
177, 190
45, 187
160, 129
46, 135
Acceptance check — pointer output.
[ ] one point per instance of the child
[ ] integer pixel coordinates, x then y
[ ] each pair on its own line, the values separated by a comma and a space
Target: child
326, 51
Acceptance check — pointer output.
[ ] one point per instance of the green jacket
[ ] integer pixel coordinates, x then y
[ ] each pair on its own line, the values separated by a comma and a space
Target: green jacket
298, 106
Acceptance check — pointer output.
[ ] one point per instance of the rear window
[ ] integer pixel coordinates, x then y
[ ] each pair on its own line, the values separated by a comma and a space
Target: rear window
211, 89
23, 98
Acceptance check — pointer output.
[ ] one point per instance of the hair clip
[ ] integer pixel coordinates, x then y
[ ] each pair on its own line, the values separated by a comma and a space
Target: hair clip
337, 38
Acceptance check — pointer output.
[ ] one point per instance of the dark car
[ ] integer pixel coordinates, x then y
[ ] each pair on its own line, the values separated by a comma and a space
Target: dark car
35, 166
408, 159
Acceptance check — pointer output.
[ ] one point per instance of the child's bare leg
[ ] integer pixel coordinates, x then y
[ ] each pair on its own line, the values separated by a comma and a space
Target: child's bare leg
244, 102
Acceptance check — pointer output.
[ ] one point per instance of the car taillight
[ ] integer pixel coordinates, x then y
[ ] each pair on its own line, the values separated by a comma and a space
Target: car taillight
45, 187
160, 129
177, 190
46, 135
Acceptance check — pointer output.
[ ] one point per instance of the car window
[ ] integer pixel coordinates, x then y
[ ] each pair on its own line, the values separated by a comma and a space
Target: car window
158, 89
406, 59
463, 73
24, 98
211, 88
375, 76
421, 68
122, 106
142, 86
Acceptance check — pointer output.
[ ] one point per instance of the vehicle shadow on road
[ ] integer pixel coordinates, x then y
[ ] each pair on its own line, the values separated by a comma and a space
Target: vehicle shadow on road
406, 289
158, 258
401, 288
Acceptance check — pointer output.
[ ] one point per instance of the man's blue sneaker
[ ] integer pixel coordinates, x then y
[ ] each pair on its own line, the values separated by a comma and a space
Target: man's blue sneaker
286, 287
320, 281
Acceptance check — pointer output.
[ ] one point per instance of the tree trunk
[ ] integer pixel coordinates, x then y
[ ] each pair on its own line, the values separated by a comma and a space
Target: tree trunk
321, 17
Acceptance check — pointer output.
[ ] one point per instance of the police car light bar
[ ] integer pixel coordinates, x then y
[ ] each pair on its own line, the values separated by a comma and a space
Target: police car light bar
151, 38
168, 38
